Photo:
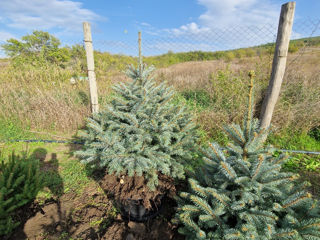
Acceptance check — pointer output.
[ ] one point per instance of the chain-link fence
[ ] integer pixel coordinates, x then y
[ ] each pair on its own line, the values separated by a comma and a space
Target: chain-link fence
159, 42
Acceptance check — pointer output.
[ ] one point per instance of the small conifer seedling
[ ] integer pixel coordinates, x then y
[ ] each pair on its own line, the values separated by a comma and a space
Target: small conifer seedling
20, 182
141, 132
241, 192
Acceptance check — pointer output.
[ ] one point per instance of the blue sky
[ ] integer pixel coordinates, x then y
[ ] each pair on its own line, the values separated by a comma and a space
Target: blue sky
177, 25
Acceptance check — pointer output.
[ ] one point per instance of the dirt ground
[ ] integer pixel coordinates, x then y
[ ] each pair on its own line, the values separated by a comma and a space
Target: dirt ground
91, 216
135, 188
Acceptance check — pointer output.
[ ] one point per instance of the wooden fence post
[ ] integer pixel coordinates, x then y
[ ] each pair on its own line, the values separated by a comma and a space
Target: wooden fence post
140, 56
90, 66
279, 63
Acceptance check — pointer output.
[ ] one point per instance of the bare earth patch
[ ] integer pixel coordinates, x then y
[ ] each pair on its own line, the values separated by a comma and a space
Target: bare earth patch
90, 216
135, 188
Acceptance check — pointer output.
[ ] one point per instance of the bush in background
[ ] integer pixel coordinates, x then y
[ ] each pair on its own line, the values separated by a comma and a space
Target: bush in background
36, 48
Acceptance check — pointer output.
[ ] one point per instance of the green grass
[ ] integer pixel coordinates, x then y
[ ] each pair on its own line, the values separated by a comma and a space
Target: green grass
62, 173
74, 175
199, 101
291, 140
294, 140
12, 129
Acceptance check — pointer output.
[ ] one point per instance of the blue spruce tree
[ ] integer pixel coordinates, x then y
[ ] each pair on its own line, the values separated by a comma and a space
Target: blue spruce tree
240, 193
141, 132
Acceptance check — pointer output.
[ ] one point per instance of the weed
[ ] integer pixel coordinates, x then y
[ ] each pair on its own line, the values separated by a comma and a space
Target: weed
297, 140
198, 99
302, 162
315, 133
94, 223
74, 176
12, 129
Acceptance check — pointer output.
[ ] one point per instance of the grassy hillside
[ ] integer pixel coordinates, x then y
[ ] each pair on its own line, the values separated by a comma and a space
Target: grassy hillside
107, 61
262, 50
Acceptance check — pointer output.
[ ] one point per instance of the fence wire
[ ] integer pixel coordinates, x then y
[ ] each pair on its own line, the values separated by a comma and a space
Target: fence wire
207, 40
82, 143
157, 42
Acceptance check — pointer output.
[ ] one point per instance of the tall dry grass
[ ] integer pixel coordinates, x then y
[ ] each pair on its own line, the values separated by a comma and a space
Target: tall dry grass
44, 99
298, 106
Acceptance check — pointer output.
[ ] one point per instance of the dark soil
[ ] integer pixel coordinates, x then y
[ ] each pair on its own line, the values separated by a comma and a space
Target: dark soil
82, 217
90, 216
159, 228
124, 188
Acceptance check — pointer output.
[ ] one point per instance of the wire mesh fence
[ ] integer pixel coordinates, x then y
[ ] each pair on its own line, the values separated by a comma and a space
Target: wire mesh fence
159, 42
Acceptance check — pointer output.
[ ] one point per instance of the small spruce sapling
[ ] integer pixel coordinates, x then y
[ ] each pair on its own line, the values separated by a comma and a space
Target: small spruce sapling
20, 182
141, 132
241, 192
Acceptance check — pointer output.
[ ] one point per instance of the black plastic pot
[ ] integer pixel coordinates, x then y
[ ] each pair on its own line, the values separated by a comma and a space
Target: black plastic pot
133, 210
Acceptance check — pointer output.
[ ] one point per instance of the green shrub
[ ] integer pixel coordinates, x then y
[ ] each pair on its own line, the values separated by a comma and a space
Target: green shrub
229, 56
200, 98
240, 53
250, 52
141, 132
20, 181
293, 48
36, 48
315, 133
241, 192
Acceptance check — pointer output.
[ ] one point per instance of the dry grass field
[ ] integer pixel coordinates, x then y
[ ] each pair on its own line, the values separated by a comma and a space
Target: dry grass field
43, 99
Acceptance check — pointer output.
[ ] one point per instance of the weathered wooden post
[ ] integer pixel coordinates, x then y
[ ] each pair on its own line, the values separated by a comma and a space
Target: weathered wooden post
90, 66
279, 63
140, 56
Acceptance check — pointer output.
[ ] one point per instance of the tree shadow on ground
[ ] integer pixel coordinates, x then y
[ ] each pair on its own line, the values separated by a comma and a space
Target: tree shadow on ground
87, 221
49, 166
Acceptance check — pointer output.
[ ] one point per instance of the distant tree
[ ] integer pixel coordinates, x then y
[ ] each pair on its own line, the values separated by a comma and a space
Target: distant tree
78, 58
37, 47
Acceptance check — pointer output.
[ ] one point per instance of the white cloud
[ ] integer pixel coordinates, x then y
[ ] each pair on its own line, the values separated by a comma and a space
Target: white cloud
191, 28
225, 24
145, 24
237, 18
230, 13
39, 14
